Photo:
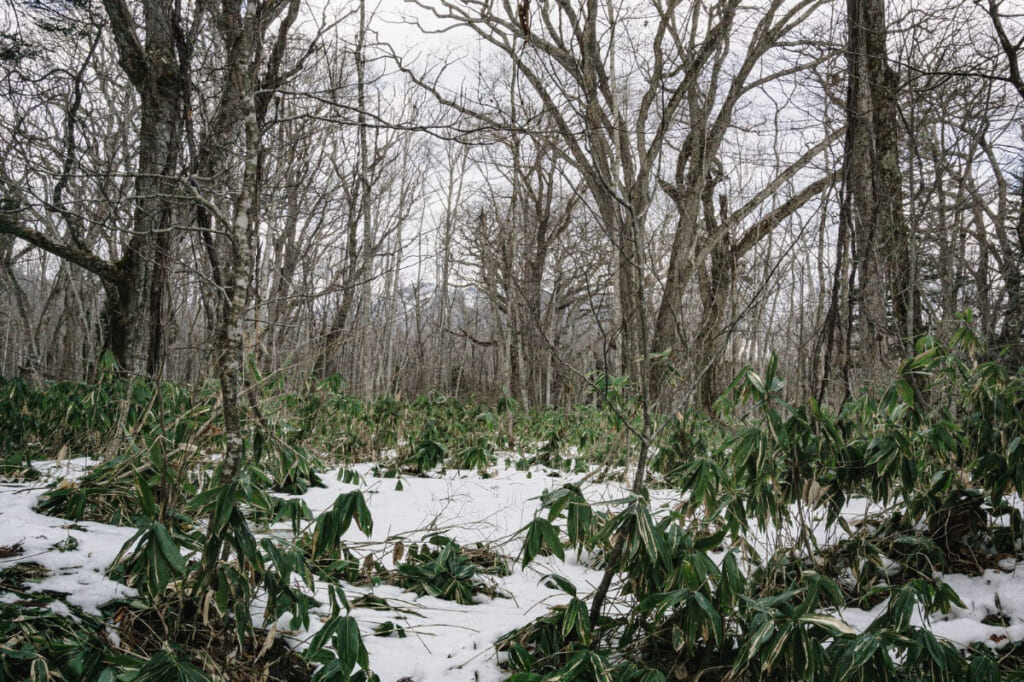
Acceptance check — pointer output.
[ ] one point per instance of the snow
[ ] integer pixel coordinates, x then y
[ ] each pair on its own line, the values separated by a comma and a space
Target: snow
78, 572
448, 641
445, 640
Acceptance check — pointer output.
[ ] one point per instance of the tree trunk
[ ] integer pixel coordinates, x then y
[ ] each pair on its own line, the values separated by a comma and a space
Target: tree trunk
885, 277
134, 312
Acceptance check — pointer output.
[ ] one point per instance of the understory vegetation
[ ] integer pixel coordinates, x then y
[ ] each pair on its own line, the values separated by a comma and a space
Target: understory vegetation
937, 460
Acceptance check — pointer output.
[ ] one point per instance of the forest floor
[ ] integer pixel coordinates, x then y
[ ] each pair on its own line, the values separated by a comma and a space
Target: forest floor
423, 638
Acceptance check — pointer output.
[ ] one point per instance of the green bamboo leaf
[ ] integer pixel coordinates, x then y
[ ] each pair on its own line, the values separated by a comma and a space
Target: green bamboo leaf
558, 582
40, 670
540, 534
244, 541
983, 669
936, 649
583, 618
731, 585
778, 645
519, 657
205, 498
361, 513
555, 501
833, 625
598, 667
663, 601
323, 636
169, 548
579, 519
678, 639
758, 639
146, 498
160, 567
569, 618
531, 546
553, 541
224, 506
854, 658
901, 608
349, 634
652, 539
714, 617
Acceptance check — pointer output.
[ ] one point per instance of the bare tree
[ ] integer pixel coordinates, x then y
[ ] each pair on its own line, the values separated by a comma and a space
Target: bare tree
153, 55
1011, 336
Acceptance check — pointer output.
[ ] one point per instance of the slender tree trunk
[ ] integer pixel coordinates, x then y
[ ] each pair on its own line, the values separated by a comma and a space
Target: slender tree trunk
230, 345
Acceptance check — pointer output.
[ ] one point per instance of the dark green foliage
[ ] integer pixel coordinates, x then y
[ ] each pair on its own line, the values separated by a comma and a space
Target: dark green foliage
441, 568
477, 456
194, 559
892, 649
119, 490
169, 665
428, 451
580, 522
693, 615
541, 538
76, 419
347, 650
155, 559
37, 644
937, 453
420, 435
333, 523
686, 438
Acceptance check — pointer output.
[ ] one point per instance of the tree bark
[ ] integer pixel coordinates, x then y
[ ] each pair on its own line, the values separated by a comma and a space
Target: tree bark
886, 283
133, 311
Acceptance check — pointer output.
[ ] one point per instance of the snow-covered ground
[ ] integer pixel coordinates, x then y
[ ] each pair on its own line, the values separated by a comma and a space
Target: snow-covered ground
76, 555
445, 640
449, 641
